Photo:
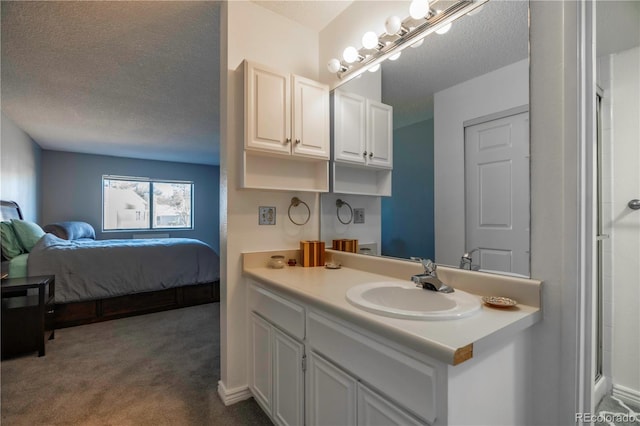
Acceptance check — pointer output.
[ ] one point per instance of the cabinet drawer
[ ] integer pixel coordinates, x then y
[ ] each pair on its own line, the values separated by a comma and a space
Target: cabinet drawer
286, 315
407, 381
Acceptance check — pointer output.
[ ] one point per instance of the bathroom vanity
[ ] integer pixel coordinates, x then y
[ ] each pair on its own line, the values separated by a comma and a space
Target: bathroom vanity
316, 358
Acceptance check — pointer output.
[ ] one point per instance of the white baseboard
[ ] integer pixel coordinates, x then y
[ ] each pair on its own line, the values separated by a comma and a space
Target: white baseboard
231, 396
626, 394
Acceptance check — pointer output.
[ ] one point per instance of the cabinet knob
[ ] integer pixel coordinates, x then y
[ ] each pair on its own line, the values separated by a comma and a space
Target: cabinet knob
297, 141
364, 154
287, 140
371, 155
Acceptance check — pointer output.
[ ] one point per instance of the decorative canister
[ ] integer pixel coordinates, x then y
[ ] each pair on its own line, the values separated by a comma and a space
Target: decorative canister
276, 262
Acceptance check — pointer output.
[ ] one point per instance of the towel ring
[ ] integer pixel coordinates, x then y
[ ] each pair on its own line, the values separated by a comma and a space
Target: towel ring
295, 202
339, 204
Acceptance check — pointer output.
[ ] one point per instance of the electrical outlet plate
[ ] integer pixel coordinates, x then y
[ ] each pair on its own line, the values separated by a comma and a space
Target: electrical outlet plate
266, 215
358, 215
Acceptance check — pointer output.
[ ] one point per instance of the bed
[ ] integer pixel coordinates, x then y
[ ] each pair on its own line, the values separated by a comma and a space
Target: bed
98, 280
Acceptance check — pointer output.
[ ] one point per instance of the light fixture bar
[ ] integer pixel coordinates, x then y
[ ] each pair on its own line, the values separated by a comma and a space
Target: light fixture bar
397, 43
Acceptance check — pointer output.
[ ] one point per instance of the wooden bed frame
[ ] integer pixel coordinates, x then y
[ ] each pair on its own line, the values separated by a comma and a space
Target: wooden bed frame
79, 313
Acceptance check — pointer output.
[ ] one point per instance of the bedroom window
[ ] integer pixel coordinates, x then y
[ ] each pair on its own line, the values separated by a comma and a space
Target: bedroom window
130, 203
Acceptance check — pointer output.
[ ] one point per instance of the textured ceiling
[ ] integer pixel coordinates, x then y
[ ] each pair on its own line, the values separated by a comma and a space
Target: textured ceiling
141, 79
133, 79
495, 37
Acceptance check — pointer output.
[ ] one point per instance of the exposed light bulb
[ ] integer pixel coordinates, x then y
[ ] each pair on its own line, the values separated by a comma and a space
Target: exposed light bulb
369, 40
418, 43
395, 56
374, 68
419, 9
350, 54
444, 30
392, 25
333, 65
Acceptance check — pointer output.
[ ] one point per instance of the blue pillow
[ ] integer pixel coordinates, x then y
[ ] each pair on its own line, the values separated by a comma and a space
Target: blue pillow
72, 230
28, 233
11, 246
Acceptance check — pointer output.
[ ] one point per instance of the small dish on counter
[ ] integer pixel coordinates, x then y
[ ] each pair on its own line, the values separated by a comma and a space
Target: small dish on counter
499, 301
330, 265
276, 262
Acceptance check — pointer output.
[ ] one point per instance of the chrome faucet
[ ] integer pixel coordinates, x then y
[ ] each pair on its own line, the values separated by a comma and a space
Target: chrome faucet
429, 279
466, 261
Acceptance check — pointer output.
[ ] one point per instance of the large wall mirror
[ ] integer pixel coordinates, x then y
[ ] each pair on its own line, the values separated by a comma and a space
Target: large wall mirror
460, 180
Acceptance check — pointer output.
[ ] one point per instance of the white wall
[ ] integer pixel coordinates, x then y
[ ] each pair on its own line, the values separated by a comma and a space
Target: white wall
366, 233
553, 375
624, 134
497, 91
347, 29
20, 173
249, 31
368, 85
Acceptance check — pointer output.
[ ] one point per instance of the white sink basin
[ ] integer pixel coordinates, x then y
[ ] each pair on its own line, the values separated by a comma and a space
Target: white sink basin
398, 299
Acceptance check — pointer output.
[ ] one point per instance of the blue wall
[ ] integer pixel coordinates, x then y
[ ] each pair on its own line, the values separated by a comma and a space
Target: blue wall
407, 216
72, 190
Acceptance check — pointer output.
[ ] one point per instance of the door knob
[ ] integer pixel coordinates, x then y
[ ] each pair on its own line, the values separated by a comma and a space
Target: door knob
371, 155
364, 154
634, 204
297, 141
287, 140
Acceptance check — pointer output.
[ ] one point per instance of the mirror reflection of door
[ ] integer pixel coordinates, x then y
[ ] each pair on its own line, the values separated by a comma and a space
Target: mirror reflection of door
497, 192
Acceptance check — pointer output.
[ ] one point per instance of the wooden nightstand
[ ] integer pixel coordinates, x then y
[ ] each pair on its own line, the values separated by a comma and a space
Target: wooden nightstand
27, 314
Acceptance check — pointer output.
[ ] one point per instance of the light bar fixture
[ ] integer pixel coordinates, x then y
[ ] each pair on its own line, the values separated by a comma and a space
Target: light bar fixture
399, 34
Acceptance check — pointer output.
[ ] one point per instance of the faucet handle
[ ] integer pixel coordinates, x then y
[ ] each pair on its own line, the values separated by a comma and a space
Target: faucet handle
428, 264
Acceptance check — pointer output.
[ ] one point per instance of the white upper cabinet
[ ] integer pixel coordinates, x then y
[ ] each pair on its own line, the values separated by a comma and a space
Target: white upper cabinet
277, 121
379, 134
267, 110
350, 130
310, 118
286, 131
363, 131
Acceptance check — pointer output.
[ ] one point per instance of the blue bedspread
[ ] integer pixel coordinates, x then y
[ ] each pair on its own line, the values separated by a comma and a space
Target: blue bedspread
88, 269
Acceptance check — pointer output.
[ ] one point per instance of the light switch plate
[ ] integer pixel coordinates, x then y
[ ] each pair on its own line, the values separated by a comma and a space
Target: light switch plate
266, 215
358, 215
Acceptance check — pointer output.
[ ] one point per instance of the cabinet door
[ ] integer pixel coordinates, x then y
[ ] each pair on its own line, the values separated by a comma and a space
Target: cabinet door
261, 363
310, 118
331, 394
350, 130
379, 134
267, 109
374, 410
288, 390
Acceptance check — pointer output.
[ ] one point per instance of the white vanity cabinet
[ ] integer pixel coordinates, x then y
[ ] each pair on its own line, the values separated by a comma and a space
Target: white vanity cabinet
334, 397
331, 394
286, 131
277, 356
362, 145
303, 361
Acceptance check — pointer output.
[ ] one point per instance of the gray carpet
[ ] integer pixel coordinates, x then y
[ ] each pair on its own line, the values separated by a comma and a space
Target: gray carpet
611, 411
156, 369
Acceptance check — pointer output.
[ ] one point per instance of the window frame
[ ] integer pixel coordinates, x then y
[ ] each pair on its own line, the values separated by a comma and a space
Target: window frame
151, 182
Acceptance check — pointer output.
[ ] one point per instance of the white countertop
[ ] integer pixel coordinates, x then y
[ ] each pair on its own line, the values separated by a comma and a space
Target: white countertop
326, 289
